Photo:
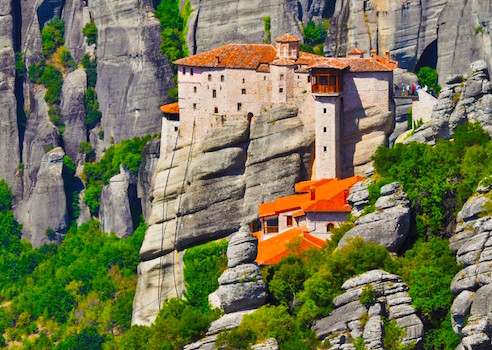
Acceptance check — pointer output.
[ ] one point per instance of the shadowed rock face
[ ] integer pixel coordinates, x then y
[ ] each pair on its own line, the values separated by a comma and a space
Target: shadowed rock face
133, 76
258, 162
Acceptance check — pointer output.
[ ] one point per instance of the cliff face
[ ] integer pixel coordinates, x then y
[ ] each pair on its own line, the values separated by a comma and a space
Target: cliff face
218, 22
207, 190
133, 76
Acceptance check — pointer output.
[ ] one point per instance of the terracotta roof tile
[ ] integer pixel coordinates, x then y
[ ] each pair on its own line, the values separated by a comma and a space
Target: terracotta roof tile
371, 64
356, 51
330, 62
172, 108
298, 213
246, 56
287, 38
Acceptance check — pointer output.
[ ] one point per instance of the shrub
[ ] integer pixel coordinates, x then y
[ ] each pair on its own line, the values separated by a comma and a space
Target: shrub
19, 65
52, 35
367, 296
90, 32
65, 58
393, 336
267, 25
173, 23
93, 114
203, 265
428, 76
50, 233
6, 197
50, 77
314, 34
90, 66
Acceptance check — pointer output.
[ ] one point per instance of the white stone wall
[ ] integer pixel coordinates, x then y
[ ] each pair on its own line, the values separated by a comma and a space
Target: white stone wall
282, 221
317, 222
170, 130
422, 108
327, 143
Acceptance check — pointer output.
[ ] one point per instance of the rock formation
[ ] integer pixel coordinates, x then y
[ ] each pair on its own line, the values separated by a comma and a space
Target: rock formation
243, 165
351, 319
389, 224
464, 98
114, 212
470, 314
150, 157
133, 76
72, 110
241, 287
464, 36
47, 206
9, 135
218, 22
76, 15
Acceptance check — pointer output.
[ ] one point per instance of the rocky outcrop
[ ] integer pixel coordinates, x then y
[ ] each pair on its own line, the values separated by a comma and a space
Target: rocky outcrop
464, 98
133, 76
218, 22
47, 206
406, 28
76, 15
350, 319
72, 110
9, 135
472, 286
389, 224
359, 197
191, 206
150, 157
464, 36
114, 212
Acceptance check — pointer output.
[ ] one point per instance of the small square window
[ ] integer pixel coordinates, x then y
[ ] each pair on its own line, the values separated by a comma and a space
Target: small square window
175, 128
210, 77
324, 110
214, 93
324, 129
281, 90
191, 71
244, 80
222, 78
298, 77
324, 148
264, 77
289, 221
281, 77
216, 110
194, 89
239, 106
194, 105
309, 78
243, 91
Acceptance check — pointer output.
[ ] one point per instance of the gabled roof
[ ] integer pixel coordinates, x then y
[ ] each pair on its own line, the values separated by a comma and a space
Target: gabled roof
246, 56
172, 108
330, 62
286, 38
371, 64
272, 250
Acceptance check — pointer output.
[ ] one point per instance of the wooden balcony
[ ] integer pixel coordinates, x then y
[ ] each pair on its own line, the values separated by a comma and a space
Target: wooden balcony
326, 82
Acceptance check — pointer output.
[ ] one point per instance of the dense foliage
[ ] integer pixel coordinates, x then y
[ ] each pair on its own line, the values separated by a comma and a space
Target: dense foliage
52, 35
438, 179
314, 38
127, 154
50, 77
203, 266
428, 76
90, 32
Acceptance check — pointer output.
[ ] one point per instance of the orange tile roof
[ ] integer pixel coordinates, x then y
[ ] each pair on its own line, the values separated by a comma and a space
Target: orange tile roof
330, 62
329, 196
298, 213
356, 51
246, 56
272, 250
371, 64
287, 38
172, 108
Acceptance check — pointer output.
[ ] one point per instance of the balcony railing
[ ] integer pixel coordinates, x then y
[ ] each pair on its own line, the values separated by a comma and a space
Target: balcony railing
272, 229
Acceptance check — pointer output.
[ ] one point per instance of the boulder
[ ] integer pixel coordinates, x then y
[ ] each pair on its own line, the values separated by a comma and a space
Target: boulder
243, 248
114, 211
269, 344
226, 322
242, 296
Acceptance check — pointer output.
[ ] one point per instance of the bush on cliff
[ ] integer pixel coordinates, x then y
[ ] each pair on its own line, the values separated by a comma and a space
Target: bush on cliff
90, 33
50, 77
52, 35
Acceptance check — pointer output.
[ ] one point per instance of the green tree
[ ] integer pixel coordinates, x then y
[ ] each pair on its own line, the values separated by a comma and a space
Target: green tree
90, 32
52, 35
428, 76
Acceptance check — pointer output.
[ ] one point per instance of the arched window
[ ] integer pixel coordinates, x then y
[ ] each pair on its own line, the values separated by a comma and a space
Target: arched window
222, 78
214, 93
330, 227
210, 77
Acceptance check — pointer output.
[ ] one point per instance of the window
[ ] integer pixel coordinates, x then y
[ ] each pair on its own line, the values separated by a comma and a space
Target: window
324, 129
222, 78
214, 93
309, 78
210, 77
330, 227
324, 148
184, 70
243, 91
216, 110
191, 71
175, 128
194, 105
239, 106
244, 81
324, 110
289, 221
281, 90
194, 88
264, 77
281, 77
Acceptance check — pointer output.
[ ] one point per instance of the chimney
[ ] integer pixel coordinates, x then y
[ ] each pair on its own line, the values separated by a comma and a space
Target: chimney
313, 193
346, 193
387, 53
374, 53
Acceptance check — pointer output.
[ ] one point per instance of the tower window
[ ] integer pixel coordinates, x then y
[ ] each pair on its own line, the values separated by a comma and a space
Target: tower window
194, 105
309, 78
222, 78
184, 70
281, 90
244, 80
175, 128
329, 227
194, 88
216, 110
210, 77
324, 110
214, 93
324, 148
324, 129
281, 77
239, 106
264, 77
243, 91
191, 71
